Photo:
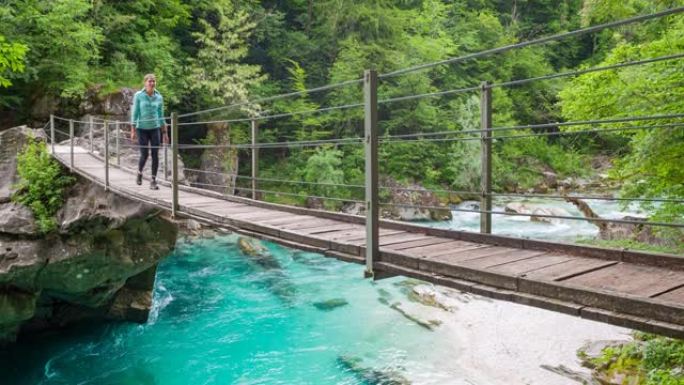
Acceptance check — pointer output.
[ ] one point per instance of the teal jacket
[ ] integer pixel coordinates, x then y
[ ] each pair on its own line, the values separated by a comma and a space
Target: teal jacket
147, 112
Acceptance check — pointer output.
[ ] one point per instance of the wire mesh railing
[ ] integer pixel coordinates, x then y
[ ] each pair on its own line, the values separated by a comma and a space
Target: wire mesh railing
371, 143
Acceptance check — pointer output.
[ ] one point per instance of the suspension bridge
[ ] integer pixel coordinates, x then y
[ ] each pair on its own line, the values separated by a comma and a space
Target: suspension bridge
640, 290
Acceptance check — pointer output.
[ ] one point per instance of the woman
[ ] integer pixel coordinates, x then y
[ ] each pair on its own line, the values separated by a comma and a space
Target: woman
148, 125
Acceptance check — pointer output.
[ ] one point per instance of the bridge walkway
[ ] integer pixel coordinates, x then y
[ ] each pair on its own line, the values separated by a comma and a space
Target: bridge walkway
633, 289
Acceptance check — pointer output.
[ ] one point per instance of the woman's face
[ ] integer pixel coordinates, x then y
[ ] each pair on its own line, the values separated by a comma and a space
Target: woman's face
150, 84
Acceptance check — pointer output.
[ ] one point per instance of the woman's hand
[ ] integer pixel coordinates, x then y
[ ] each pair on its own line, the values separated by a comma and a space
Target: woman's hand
133, 134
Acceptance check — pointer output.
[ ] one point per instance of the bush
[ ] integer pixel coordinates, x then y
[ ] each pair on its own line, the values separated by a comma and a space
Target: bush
42, 184
648, 360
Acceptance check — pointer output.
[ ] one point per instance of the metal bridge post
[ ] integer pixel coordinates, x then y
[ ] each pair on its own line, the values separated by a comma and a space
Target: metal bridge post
370, 94
486, 158
174, 164
255, 159
91, 134
166, 160
71, 143
106, 153
118, 134
52, 133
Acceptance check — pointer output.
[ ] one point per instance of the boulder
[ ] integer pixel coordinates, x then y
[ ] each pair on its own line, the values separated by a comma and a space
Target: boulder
537, 214
354, 208
16, 219
540, 213
550, 179
410, 203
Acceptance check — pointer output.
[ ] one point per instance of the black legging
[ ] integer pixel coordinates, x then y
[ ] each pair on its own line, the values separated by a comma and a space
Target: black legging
148, 138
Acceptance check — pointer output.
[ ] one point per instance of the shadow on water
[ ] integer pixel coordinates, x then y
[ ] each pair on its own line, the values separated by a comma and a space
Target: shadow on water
33, 358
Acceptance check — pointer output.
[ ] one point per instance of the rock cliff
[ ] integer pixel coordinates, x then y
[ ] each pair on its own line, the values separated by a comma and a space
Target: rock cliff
100, 263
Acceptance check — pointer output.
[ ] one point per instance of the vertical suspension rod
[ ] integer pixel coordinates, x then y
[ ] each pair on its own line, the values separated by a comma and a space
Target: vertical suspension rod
370, 93
486, 158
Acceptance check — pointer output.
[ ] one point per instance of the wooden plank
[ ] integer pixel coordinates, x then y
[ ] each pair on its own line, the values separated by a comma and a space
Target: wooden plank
676, 295
500, 259
468, 254
440, 248
361, 239
401, 238
571, 268
429, 240
632, 279
283, 221
459, 250
313, 224
255, 215
531, 264
336, 227
225, 210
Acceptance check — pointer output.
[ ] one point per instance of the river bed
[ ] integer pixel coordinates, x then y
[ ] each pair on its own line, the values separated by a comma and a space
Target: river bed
564, 230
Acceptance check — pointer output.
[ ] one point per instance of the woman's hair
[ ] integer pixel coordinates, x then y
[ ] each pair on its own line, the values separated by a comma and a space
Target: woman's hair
149, 76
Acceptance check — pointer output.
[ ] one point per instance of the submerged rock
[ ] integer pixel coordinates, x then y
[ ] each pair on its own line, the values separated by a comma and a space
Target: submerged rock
427, 324
371, 376
272, 271
428, 295
331, 304
259, 253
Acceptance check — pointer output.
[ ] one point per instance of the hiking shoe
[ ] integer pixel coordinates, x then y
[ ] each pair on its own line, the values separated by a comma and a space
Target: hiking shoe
153, 185
138, 179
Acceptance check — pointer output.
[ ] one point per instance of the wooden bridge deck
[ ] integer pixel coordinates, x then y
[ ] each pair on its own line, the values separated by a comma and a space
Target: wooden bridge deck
638, 290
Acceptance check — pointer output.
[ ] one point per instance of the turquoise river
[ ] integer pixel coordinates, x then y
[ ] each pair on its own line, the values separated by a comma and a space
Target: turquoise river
292, 317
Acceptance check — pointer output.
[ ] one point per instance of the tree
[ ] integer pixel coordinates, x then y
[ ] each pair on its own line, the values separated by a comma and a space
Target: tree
62, 41
11, 60
216, 72
652, 165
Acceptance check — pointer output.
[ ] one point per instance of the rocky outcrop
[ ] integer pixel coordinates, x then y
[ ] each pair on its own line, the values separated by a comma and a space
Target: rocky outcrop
410, 203
100, 263
537, 213
218, 165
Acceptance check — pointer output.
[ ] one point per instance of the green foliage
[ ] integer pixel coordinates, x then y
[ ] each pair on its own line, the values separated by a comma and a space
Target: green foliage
519, 163
323, 167
648, 360
11, 60
216, 71
42, 184
634, 245
651, 166
62, 40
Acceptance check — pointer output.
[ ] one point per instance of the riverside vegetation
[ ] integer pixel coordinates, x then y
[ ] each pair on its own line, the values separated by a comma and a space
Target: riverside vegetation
42, 184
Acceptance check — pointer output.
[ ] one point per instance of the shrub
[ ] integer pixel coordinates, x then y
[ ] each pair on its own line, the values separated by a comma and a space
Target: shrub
41, 185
